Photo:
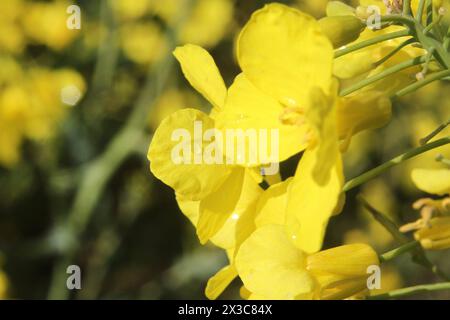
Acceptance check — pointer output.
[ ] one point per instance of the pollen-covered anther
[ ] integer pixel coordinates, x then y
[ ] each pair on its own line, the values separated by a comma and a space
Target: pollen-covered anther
292, 116
429, 208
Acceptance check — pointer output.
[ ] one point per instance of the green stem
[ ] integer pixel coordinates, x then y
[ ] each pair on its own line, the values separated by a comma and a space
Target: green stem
370, 42
407, 7
385, 73
369, 175
393, 52
420, 10
422, 83
446, 44
400, 293
399, 19
434, 133
407, 247
382, 219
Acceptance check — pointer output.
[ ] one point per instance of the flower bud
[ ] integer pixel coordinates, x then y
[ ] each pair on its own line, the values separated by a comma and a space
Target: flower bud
342, 271
436, 236
341, 30
364, 111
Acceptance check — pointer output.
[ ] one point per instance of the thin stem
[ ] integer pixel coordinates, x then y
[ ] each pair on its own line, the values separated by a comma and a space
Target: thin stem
399, 20
434, 133
369, 175
425, 288
447, 40
397, 252
428, 60
420, 10
393, 52
385, 73
382, 219
370, 42
422, 83
407, 7
429, 11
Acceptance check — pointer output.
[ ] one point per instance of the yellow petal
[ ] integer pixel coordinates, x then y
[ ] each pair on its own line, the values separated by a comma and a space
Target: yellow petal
217, 207
271, 208
201, 71
240, 223
248, 108
220, 281
173, 160
342, 271
312, 200
316, 188
189, 208
363, 111
349, 260
283, 52
227, 215
435, 181
270, 265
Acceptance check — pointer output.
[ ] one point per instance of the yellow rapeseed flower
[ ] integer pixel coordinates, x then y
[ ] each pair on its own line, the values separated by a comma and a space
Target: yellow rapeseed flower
272, 267
433, 228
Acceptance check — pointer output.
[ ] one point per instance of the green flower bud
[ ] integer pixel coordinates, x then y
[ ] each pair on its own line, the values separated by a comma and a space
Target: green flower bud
341, 30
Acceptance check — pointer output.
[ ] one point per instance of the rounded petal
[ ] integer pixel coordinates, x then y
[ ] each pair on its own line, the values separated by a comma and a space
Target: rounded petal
226, 217
284, 53
174, 162
435, 181
271, 207
252, 111
315, 192
271, 266
256, 114
201, 71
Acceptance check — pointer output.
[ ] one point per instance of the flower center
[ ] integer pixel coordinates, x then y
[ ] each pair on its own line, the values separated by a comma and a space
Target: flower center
292, 113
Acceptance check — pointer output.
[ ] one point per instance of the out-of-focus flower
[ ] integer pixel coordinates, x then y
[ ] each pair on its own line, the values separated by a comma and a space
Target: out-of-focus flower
208, 23
204, 23
433, 228
4, 283
45, 23
272, 267
131, 10
32, 105
169, 102
12, 39
143, 42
